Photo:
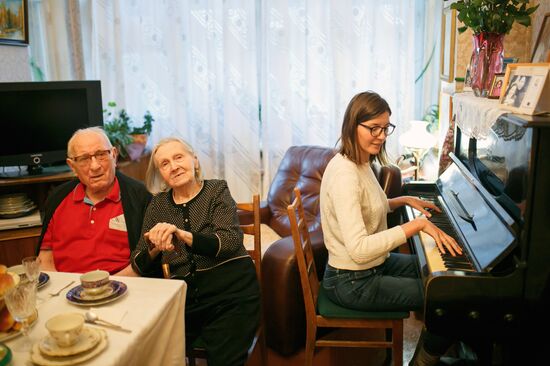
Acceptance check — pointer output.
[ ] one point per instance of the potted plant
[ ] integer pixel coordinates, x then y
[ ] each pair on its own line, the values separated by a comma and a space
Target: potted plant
490, 20
130, 140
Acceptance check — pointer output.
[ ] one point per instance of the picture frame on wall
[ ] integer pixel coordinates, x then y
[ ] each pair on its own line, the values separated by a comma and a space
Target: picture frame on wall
448, 39
541, 51
526, 88
496, 86
14, 22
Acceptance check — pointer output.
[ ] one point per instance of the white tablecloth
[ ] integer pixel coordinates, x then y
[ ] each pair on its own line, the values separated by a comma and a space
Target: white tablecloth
153, 309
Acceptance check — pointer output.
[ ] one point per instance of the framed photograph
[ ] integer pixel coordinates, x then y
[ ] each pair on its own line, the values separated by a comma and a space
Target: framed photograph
14, 24
541, 52
496, 86
523, 87
448, 37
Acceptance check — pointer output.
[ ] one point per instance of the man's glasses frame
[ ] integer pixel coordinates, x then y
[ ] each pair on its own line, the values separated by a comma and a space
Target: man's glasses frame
86, 159
377, 130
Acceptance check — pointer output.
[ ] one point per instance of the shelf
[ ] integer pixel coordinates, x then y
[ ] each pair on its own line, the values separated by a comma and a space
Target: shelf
60, 177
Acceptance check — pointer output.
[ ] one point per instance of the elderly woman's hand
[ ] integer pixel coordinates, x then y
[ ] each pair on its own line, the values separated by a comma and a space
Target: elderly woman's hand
161, 236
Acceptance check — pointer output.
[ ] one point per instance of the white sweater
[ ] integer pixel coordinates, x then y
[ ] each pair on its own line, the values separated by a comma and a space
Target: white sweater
353, 216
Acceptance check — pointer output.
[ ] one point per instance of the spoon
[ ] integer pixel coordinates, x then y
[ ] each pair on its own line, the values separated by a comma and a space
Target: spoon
92, 318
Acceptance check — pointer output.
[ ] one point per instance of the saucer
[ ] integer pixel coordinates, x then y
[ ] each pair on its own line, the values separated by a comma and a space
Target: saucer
88, 339
76, 295
43, 279
41, 359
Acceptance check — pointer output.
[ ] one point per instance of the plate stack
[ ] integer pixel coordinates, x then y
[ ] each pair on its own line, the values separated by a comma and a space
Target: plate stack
15, 205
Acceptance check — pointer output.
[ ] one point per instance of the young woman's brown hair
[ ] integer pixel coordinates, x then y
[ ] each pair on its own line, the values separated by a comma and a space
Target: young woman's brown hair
362, 107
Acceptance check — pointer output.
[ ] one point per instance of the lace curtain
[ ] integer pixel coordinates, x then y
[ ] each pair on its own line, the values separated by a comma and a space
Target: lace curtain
243, 80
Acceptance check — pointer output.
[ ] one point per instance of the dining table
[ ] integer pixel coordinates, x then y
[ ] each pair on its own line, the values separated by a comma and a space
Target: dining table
151, 309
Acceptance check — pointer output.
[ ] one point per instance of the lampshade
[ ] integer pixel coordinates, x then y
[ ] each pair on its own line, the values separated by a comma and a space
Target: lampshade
417, 136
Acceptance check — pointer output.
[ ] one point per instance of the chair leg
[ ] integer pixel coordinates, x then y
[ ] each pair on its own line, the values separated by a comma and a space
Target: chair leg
397, 342
311, 334
191, 361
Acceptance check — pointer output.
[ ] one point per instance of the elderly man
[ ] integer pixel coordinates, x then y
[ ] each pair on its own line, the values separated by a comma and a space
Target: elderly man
93, 222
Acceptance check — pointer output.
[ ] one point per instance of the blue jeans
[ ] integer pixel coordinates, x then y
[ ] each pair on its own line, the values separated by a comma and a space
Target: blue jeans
392, 286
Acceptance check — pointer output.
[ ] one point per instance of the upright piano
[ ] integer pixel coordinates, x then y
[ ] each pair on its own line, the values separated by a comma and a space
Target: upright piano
495, 201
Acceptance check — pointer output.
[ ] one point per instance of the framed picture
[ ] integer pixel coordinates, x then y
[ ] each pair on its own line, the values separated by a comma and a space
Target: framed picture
541, 52
496, 86
14, 24
523, 86
448, 37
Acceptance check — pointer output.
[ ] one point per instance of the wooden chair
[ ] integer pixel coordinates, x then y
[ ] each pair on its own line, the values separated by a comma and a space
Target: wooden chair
323, 313
252, 228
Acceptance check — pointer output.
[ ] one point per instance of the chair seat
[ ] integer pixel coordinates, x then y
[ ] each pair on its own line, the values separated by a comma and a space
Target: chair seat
329, 309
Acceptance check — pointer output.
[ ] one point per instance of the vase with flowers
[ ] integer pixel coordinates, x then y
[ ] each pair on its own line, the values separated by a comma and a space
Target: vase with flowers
490, 21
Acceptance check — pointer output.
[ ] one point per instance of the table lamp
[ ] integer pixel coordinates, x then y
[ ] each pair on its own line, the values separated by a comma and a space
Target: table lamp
417, 140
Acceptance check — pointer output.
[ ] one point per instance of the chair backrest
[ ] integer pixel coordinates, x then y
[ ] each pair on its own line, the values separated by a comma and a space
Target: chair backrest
302, 167
253, 229
304, 255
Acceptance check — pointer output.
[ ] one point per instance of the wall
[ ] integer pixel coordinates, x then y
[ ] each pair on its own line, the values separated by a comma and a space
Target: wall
14, 63
537, 19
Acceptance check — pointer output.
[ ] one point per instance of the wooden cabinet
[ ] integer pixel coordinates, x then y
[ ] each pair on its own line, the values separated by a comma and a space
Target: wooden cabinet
16, 244
137, 168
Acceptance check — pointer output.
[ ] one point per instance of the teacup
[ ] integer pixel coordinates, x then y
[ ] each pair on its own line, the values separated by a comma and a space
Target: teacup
65, 328
94, 282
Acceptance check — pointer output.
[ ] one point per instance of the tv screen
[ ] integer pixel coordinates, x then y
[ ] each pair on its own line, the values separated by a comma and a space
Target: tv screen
39, 118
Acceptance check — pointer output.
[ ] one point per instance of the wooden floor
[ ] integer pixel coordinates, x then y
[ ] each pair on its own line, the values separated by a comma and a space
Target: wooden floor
348, 356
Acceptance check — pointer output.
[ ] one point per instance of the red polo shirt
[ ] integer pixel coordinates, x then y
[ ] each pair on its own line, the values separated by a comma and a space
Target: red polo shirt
84, 237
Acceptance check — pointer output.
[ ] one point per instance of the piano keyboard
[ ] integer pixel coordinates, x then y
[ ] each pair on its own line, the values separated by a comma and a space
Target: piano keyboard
437, 261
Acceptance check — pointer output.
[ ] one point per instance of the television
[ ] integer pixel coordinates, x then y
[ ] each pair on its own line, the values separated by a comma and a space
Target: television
38, 119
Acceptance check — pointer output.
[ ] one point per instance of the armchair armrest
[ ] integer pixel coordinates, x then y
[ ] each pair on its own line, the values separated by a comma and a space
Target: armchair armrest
265, 212
390, 180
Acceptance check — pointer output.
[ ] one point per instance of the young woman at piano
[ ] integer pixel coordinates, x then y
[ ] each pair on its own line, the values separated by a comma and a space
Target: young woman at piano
362, 271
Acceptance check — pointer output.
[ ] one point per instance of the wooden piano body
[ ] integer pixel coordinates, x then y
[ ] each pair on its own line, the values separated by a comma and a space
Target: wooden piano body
496, 196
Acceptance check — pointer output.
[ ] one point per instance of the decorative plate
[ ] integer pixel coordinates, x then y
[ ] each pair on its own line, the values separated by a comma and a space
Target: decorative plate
41, 359
43, 279
88, 339
76, 295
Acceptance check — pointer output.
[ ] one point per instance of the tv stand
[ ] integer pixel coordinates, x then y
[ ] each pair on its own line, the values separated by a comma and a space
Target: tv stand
34, 171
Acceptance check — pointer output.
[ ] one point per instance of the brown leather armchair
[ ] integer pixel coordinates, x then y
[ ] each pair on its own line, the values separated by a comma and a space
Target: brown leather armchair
302, 167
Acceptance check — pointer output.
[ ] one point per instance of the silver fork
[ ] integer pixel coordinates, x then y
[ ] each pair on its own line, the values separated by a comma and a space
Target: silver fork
53, 294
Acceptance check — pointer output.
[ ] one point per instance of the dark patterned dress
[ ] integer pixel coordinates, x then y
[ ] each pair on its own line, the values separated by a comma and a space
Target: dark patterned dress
223, 298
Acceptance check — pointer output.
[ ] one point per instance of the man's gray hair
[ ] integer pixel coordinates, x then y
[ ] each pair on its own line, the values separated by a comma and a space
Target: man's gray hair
97, 130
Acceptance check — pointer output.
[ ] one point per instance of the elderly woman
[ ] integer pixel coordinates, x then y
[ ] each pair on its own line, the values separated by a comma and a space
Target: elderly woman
192, 225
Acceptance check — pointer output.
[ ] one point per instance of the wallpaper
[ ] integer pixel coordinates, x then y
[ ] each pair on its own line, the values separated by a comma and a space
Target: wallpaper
12, 63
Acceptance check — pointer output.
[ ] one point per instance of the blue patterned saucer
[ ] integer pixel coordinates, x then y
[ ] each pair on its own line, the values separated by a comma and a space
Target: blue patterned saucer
77, 296
43, 279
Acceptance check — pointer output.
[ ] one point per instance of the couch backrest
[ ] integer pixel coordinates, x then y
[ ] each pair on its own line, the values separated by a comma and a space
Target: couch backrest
302, 167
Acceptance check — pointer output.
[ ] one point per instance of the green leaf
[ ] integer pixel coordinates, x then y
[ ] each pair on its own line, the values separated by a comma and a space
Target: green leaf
495, 16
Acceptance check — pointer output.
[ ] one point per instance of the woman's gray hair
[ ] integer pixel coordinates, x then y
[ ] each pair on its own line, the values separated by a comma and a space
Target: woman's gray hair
153, 179
97, 130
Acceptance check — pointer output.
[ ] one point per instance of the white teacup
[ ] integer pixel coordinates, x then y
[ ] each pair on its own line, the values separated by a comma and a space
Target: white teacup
94, 282
65, 328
